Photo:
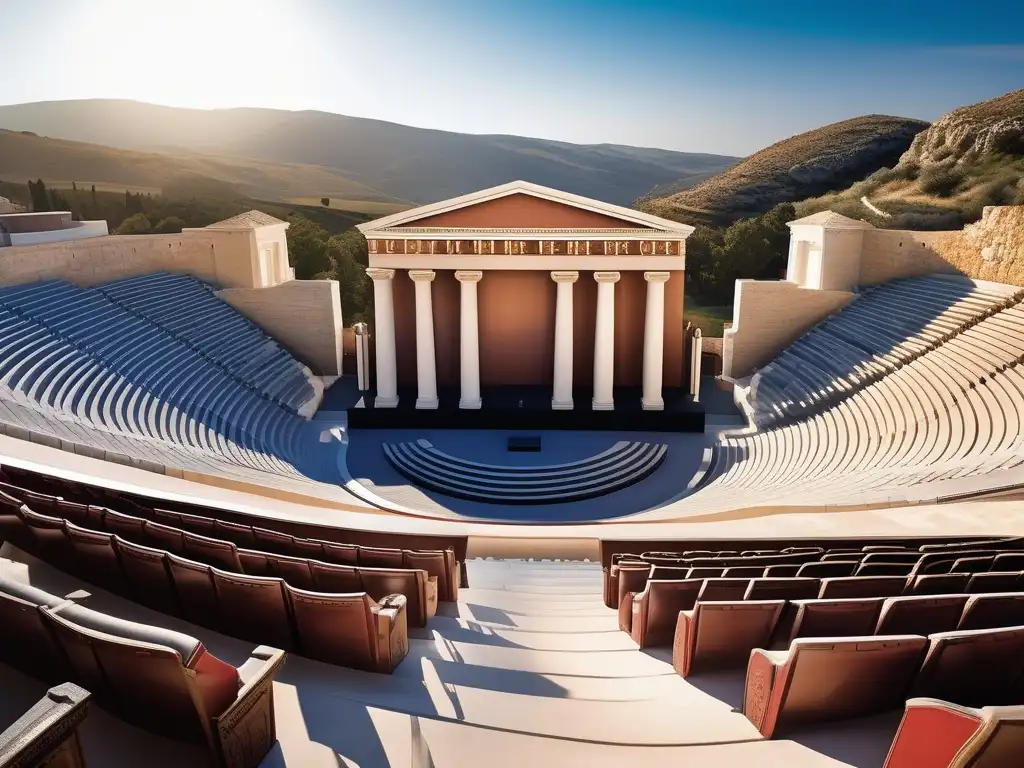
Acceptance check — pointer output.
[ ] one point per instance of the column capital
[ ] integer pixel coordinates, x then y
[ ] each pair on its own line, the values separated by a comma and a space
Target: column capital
376, 273
657, 277
468, 275
422, 275
606, 277
565, 277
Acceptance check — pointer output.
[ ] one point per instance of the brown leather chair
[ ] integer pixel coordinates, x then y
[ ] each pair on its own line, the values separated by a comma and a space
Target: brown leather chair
938, 584
255, 563
169, 683
165, 537
796, 588
973, 667
831, 618
95, 558
419, 589
26, 642
862, 586
1008, 561
197, 596
743, 572
716, 635
216, 552
340, 554
340, 579
294, 570
652, 613
163, 516
630, 577
884, 569
379, 557
843, 554
724, 589
820, 679
883, 548
831, 568
439, 564
779, 571
238, 534
907, 558
149, 580
706, 572
254, 608
273, 541
351, 630
920, 614
309, 549
46, 537
47, 734
991, 610
201, 524
938, 734
973, 564
994, 581
128, 527
12, 524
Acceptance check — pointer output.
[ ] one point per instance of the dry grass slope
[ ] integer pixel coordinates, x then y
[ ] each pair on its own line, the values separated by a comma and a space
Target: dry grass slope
799, 167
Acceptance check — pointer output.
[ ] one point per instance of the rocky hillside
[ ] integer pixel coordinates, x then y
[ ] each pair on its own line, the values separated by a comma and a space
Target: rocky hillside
810, 164
968, 159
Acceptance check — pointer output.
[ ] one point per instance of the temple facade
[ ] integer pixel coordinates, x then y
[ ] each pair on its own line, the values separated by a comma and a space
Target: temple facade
523, 285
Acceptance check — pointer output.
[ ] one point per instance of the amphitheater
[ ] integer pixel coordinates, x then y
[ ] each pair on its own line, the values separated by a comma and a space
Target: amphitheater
206, 560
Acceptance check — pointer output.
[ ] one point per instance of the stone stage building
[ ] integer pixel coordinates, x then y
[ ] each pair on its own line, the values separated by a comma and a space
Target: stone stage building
523, 285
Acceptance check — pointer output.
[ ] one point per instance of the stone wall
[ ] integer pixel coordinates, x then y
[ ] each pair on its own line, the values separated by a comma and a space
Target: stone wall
304, 316
768, 316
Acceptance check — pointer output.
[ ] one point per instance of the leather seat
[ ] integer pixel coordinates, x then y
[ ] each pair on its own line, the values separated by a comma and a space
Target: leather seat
630, 577
215, 552
650, 616
12, 524
149, 581
820, 679
197, 596
994, 582
782, 589
340, 554
777, 571
973, 667
920, 615
831, 568
46, 537
331, 578
419, 589
96, 558
239, 535
351, 629
25, 642
724, 589
706, 572
254, 608
717, 635
832, 618
862, 586
743, 572
165, 537
884, 569
273, 541
938, 733
1008, 561
938, 584
993, 610
972, 564
294, 570
128, 527
379, 557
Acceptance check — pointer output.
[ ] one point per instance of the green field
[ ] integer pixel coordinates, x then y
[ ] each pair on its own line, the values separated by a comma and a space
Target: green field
709, 318
369, 207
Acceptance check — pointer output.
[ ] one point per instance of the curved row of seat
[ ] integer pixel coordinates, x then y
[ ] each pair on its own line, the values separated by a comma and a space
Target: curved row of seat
80, 363
190, 310
161, 680
953, 412
886, 327
618, 467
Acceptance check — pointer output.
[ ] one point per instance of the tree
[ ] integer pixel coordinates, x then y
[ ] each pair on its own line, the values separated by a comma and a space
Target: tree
74, 187
37, 192
349, 258
137, 224
325, 202
307, 247
169, 225
92, 193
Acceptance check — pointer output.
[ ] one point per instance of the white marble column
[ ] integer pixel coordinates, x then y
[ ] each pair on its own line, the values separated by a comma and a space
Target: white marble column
426, 368
654, 341
604, 341
696, 350
561, 399
384, 331
469, 354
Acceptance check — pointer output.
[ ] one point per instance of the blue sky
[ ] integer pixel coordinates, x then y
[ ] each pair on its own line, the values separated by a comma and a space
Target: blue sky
729, 76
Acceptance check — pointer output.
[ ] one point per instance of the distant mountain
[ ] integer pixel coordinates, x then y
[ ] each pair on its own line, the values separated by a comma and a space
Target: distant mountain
395, 161
803, 166
969, 158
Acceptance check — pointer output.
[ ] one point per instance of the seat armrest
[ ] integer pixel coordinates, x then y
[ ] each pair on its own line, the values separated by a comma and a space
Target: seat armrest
626, 612
682, 643
610, 583
392, 632
431, 595
931, 734
762, 672
247, 730
47, 734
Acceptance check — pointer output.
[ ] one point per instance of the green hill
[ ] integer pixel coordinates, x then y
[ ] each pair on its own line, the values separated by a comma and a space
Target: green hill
809, 164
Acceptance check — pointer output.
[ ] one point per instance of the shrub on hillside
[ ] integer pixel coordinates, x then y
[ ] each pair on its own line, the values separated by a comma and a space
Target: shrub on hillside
941, 182
907, 171
169, 226
136, 224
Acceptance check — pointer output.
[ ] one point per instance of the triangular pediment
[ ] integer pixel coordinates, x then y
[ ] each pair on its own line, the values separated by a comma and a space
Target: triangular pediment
521, 205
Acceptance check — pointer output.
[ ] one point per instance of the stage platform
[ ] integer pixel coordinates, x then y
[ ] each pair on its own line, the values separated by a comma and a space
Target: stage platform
527, 408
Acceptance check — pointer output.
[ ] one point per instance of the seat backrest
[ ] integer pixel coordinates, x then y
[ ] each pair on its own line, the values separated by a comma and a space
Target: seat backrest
632, 578
706, 572
378, 583
744, 572
294, 570
1000, 742
972, 667
254, 608
843, 554
781, 571
96, 559
891, 557
184, 645
972, 564
668, 573
379, 557
1008, 561
829, 568
991, 610
835, 618
335, 628
994, 581
149, 581
883, 548
920, 614
47, 537
216, 552
782, 589
12, 525
727, 631
832, 678
197, 596
238, 534
201, 524
160, 536
938, 584
340, 554
343, 579
128, 527
310, 549
254, 562
25, 642
724, 589
273, 541
884, 569
665, 599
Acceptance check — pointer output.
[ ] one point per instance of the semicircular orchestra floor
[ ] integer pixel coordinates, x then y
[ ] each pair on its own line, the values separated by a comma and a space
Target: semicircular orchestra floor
467, 473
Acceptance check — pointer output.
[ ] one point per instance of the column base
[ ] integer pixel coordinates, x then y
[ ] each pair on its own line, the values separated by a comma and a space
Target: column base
602, 405
426, 404
471, 405
561, 405
385, 402
652, 405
